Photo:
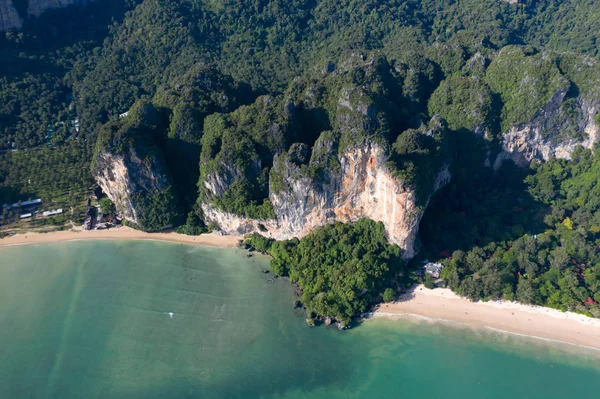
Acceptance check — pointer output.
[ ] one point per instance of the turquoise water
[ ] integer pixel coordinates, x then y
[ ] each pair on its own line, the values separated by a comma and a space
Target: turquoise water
91, 320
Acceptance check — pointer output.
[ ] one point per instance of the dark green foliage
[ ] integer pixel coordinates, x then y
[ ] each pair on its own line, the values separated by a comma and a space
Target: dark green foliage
108, 208
389, 295
464, 102
260, 243
560, 267
419, 154
429, 281
239, 147
525, 82
157, 210
479, 205
193, 226
341, 268
74, 69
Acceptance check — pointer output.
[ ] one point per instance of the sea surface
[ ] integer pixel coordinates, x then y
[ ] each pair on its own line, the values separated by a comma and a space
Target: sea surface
107, 319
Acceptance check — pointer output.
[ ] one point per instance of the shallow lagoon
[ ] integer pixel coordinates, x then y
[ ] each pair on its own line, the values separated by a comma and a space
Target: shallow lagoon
91, 319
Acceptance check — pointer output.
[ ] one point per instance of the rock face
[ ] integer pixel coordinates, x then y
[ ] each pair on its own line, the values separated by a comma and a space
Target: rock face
350, 170
544, 136
38, 7
9, 17
130, 167
125, 176
363, 186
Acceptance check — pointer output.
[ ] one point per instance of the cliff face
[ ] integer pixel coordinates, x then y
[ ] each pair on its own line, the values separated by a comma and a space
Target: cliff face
125, 177
342, 167
363, 186
554, 132
38, 7
130, 167
9, 17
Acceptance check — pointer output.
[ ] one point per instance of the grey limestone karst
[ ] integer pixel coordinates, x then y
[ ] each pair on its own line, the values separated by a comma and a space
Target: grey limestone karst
543, 137
570, 118
10, 18
124, 177
363, 186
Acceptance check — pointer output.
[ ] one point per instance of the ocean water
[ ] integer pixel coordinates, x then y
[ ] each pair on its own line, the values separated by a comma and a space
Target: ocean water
104, 319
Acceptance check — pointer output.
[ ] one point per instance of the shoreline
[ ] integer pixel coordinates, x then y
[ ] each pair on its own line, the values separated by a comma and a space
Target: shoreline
441, 305
118, 234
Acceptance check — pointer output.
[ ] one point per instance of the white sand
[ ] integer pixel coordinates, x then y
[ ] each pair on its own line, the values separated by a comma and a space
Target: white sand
534, 321
120, 233
437, 305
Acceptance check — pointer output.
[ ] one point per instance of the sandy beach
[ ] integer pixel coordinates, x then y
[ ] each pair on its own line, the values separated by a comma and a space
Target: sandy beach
443, 305
439, 305
120, 233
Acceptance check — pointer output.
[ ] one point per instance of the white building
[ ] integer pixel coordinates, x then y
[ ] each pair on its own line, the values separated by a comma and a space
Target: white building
433, 269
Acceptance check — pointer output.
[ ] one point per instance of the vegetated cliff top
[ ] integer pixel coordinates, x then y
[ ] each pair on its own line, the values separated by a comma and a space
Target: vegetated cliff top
68, 71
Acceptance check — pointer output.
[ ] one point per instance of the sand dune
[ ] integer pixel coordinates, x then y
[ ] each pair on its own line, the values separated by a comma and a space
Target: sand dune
120, 233
535, 321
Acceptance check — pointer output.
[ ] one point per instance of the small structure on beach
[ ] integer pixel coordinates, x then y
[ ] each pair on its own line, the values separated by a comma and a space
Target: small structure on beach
434, 269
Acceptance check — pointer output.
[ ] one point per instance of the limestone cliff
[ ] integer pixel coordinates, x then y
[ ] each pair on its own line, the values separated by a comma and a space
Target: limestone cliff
130, 167
125, 177
343, 166
9, 17
362, 186
38, 7
553, 132
553, 101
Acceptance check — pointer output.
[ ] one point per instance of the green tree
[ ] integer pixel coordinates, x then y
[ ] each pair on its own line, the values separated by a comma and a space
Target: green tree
389, 295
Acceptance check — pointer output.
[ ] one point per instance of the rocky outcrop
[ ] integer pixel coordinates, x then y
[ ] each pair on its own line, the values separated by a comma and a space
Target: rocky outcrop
350, 171
38, 7
362, 186
554, 132
9, 17
124, 177
130, 167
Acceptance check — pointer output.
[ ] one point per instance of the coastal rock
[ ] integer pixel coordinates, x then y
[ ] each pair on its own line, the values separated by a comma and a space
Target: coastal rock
363, 186
553, 132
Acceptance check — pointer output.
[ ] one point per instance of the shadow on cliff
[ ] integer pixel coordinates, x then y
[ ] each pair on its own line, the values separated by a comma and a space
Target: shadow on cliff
479, 205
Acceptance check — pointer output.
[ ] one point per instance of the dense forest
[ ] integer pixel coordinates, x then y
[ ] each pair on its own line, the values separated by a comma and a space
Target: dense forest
340, 268
237, 87
539, 244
